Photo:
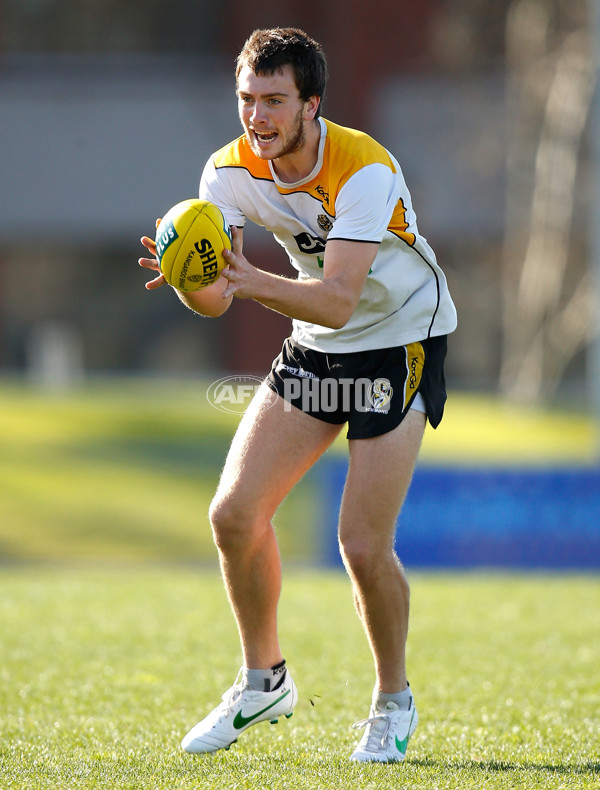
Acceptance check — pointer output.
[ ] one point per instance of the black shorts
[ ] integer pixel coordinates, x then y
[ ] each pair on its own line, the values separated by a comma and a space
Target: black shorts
370, 390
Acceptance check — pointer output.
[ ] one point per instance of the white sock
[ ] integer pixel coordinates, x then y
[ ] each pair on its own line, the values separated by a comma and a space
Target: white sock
266, 679
403, 699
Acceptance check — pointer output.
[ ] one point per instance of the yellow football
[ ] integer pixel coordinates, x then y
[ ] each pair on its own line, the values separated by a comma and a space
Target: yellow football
190, 241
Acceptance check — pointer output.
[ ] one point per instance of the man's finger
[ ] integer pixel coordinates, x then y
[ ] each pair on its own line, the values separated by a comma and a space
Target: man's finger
156, 283
149, 243
237, 239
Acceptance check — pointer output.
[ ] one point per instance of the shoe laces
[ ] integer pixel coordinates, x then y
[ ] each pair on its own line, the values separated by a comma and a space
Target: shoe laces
232, 694
378, 727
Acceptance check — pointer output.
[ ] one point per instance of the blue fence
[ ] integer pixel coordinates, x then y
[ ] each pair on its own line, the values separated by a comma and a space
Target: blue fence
520, 518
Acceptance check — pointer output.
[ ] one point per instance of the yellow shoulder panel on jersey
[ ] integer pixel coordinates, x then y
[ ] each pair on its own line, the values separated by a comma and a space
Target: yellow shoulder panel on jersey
346, 152
239, 154
349, 150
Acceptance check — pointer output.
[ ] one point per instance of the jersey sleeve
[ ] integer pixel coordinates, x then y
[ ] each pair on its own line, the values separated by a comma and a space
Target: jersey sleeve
216, 187
365, 204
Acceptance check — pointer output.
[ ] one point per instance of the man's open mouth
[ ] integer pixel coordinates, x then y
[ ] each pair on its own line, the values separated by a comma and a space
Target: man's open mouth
265, 137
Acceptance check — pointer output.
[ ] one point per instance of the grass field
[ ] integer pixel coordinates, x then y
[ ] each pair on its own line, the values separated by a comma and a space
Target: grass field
124, 471
119, 471
103, 672
115, 635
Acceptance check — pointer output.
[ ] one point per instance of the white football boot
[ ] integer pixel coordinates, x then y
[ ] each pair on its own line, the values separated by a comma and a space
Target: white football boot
386, 735
241, 708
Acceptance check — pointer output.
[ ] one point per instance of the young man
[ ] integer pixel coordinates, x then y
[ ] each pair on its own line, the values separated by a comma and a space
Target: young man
371, 311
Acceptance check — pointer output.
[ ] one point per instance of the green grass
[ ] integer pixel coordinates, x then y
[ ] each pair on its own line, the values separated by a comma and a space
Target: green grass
115, 635
102, 672
125, 470
120, 471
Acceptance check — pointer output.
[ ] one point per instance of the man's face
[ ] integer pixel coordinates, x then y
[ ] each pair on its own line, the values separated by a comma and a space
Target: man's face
272, 112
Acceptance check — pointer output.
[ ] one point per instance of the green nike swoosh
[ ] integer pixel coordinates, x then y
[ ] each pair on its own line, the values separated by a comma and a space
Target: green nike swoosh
402, 745
241, 720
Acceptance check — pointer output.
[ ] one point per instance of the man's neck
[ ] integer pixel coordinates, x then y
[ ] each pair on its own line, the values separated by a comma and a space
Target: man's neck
297, 166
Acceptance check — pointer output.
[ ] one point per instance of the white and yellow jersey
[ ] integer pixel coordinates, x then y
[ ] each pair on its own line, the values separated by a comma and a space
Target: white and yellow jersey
356, 192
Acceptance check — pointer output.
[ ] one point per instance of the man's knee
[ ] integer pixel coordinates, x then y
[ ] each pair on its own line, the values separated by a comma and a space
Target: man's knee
227, 522
235, 524
367, 559
360, 555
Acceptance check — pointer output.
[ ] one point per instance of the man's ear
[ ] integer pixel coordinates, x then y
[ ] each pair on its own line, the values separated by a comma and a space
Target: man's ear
311, 107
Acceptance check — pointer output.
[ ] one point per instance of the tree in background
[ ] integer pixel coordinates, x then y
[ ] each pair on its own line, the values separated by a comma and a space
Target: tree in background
549, 310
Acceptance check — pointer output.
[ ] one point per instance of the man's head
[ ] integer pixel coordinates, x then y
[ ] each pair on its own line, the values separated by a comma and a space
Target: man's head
268, 51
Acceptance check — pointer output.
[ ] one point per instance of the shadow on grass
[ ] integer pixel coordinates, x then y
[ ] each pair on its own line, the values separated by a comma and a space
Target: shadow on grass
505, 766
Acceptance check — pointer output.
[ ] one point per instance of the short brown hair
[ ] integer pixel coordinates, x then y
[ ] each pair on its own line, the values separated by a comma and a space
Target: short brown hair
266, 51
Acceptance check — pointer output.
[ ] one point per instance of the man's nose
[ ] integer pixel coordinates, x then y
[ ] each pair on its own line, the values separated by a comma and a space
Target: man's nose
258, 115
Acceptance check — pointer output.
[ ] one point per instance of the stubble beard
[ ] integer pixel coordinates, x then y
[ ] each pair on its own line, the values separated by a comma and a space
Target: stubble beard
294, 143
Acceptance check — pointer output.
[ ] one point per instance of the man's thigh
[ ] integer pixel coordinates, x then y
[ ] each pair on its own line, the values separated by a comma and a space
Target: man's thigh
271, 450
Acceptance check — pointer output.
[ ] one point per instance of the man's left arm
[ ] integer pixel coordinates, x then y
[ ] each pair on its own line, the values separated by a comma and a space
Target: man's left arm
329, 302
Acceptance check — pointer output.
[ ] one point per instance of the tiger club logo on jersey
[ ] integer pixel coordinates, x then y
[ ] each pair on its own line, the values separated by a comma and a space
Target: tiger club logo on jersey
324, 223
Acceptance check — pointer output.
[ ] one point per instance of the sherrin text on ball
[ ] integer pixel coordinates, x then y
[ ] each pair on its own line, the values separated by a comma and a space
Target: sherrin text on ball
190, 240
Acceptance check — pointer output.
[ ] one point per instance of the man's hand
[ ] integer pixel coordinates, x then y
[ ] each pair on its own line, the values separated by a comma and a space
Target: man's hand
243, 279
152, 263
210, 301
328, 301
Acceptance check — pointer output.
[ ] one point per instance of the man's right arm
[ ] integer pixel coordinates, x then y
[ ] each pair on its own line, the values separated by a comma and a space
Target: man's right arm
207, 301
